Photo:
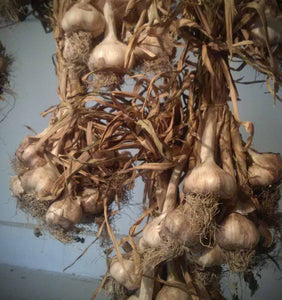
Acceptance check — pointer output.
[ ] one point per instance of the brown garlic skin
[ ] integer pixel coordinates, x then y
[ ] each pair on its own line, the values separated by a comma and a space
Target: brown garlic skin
64, 212
39, 181
237, 232
266, 168
123, 274
83, 16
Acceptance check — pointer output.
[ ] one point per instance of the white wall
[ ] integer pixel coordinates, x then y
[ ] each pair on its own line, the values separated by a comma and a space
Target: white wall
34, 82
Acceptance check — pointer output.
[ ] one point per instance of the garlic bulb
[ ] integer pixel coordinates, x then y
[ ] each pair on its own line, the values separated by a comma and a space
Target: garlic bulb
244, 205
90, 201
141, 245
64, 212
85, 17
209, 257
110, 52
28, 155
265, 234
172, 293
125, 274
274, 25
151, 232
266, 168
39, 181
176, 225
16, 187
168, 292
237, 232
208, 177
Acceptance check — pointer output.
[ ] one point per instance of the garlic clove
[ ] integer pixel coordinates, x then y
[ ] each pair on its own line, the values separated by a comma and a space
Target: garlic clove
64, 212
125, 273
237, 232
83, 17
39, 181
266, 168
151, 232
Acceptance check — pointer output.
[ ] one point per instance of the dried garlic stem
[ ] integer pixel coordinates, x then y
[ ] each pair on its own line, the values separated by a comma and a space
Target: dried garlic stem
240, 155
225, 145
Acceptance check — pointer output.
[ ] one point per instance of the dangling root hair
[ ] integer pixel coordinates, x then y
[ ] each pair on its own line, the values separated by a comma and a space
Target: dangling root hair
157, 65
115, 289
201, 210
170, 249
239, 260
78, 46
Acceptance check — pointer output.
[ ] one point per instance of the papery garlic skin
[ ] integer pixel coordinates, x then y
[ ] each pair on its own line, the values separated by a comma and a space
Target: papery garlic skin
266, 168
84, 17
64, 212
151, 232
39, 181
237, 232
125, 275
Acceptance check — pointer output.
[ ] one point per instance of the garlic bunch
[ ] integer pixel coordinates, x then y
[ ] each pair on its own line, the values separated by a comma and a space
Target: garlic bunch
82, 16
266, 168
64, 212
237, 233
125, 273
208, 177
110, 52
